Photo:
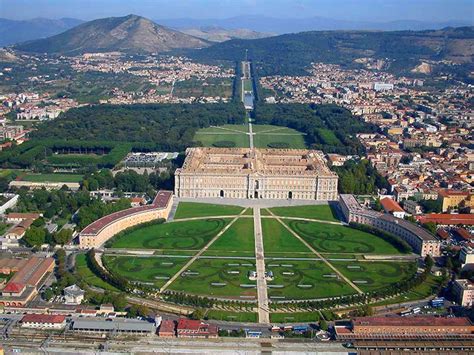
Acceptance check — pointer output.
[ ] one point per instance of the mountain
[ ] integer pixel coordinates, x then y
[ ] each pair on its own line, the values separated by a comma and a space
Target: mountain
219, 34
400, 51
12, 31
292, 25
129, 34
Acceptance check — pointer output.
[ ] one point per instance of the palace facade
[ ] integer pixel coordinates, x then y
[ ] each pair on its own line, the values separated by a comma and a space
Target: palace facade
246, 173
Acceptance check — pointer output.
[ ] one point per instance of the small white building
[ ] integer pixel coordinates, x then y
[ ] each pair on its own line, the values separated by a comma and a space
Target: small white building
43, 321
466, 257
73, 294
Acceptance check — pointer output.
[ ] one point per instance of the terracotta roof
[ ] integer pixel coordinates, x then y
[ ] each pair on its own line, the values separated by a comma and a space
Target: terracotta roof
189, 324
464, 234
390, 205
43, 318
16, 215
447, 219
14, 287
411, 321
161, 200
167, 326
449, 192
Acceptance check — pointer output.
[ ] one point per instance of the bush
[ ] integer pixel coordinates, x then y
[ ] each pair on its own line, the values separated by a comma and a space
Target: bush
278, 145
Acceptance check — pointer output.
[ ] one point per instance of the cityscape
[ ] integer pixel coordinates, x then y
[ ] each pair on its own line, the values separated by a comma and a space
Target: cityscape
179, 186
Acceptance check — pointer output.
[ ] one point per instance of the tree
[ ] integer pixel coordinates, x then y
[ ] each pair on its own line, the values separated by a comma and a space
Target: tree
39, 222
430, 226
63, 236
35, 236
138, 310
323, 324
429, 262
198, 314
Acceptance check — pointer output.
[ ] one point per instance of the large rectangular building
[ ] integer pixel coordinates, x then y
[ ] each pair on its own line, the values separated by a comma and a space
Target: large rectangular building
246, 173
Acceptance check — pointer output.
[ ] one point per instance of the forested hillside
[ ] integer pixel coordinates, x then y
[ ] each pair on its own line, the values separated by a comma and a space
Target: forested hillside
291, 54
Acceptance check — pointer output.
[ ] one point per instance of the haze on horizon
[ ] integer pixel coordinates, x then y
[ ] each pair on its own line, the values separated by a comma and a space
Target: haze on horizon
355, 10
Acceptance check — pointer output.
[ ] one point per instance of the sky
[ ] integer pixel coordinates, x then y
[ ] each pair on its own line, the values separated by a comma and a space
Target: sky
356, 10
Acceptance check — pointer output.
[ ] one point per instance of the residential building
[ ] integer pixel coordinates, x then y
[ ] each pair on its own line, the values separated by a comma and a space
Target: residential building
463, 290
451, 199
73, 294
392, 207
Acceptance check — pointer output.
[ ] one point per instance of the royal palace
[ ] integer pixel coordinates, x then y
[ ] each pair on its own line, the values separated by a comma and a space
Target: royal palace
246, 173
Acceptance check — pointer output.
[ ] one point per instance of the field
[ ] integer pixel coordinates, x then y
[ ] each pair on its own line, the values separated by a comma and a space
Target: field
369, 276
189, 235
201, 88
303, 280
243, 317
193, 209
295, 317
52, 177
237, 240
321, 212
265, 136
278, 240
218, 277
154, 271
88, 276
329, 238
222, 269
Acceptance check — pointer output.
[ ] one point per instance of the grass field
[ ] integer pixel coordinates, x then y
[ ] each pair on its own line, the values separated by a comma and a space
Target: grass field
187, 235
265, 136
321, 212
193, 209
219, 278
88, 276
52, 177
248, 85
243, 317
154, 271
278, 240
210, 139
304, 280
370, 276
330, 238
295, 317
422, 291
198, 88
238, 238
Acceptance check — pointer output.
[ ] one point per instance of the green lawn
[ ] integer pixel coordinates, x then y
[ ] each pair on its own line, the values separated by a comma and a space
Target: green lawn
422, 291
278, 240
187, 235
248, 85
218, 278
286, 138
321, 212
194, 209
52, 177
211, 136
88, 276
243, 317
374, 275
153, 271
295, 317
238, 238
330, 238
303, 280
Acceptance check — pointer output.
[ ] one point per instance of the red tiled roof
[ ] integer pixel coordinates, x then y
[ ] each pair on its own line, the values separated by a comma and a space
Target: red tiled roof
449, 192
464, 234
442, 234
189, 324
411, 321
43, 318
447, 219
390, 205
167, 326
161, 200
14, 287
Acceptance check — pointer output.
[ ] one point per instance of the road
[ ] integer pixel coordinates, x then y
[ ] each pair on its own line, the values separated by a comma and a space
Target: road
262, 294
